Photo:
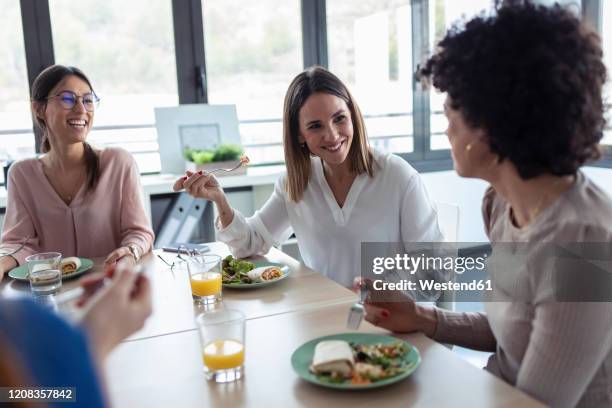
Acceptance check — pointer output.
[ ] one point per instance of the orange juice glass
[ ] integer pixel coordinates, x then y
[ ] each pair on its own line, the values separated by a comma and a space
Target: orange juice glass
205, 278
222, 333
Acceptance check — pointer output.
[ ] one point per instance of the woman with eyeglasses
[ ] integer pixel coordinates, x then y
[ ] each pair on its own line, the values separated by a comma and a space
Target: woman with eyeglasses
525, 113
74, 199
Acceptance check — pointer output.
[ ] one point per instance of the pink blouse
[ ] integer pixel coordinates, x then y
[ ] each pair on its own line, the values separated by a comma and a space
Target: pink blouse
92, 225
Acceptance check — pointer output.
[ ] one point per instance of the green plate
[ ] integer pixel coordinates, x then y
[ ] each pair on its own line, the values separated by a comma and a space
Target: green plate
21, 272
284, 269
302, 358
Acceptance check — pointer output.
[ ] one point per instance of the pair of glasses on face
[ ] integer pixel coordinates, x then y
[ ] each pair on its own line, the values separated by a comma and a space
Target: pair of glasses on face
69, 99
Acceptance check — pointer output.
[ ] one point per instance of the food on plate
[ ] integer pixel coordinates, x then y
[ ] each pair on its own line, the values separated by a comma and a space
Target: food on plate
240, 272
338, 361
334, 358
70, 265
236, 270
265, 273
41, 267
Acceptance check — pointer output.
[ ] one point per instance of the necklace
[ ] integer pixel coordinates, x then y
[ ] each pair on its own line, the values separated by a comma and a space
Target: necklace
73, 192
66, 195
537, 209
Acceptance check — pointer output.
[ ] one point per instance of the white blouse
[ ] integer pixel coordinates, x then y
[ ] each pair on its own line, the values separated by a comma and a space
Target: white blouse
392, 206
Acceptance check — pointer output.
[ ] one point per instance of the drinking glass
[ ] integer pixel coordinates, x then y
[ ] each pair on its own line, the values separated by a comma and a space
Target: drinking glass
222, 333
45, 273
205, 278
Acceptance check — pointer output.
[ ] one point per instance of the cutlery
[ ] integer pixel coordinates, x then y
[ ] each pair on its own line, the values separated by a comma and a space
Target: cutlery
356, 314
244, 160
73, 294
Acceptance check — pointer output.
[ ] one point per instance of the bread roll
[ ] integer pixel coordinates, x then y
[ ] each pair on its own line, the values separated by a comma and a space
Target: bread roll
333, 356
70, 265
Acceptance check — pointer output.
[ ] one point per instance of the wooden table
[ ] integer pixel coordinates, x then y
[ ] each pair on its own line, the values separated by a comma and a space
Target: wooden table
167, 371
161, 365
173, 307
174, 310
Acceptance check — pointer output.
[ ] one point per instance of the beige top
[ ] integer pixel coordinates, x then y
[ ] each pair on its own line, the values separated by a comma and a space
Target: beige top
558, 352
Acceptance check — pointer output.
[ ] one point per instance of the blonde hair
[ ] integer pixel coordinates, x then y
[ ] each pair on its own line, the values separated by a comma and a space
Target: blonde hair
297, 156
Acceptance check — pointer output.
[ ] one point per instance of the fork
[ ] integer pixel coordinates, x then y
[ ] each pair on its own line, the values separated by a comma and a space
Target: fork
356, 314
244, 160
19, 248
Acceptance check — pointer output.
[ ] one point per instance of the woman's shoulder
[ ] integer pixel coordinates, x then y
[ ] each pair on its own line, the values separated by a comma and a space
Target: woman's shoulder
24, 166
115, 153
118, 157
586, 212
492, 207
25, 174
391, 166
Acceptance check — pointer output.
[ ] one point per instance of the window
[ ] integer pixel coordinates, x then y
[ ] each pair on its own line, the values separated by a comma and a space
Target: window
16, 137
607, 48
442, 15
370, 49
126, 48
253, 51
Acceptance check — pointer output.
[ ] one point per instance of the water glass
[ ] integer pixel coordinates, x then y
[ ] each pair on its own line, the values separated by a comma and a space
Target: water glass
222, 333
205, 278
45, 273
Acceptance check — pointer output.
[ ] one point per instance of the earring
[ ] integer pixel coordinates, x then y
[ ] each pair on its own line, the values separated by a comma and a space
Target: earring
468, 147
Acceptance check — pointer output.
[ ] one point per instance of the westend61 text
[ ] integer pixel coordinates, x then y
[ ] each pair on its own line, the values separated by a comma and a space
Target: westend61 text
429, 285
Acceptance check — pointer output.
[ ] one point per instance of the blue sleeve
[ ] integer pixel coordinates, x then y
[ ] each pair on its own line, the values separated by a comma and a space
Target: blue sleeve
52, 353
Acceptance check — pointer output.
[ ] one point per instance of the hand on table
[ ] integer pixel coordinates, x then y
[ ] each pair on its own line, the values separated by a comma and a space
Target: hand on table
394, 311
122, 254
115, 311
200, 185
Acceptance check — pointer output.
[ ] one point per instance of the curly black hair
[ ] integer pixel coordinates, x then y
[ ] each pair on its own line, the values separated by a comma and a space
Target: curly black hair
530, 76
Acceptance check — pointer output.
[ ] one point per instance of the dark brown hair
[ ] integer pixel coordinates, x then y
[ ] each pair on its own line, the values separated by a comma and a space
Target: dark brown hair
297, 157
531, 77
42, 86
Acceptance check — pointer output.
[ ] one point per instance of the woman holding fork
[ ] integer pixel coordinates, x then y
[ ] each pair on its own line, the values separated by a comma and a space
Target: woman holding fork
337, 192
74, 199
525, 112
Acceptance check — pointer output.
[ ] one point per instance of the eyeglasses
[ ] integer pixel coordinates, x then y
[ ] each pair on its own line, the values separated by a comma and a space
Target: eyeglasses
179, 259
69, 99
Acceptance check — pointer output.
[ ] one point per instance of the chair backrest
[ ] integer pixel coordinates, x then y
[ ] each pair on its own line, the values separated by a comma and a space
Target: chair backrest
448, 219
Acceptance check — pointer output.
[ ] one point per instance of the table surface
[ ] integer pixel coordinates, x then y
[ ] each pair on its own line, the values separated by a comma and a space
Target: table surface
167, 370
161, 365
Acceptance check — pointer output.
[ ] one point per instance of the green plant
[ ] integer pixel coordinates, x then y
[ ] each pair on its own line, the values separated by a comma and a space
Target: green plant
223, 152
227, 152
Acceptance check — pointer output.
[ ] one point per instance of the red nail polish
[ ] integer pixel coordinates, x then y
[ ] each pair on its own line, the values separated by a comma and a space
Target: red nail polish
184, 178
200, 172
385, 314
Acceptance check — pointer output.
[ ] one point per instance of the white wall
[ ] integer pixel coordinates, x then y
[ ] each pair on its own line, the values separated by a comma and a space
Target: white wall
446, 186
